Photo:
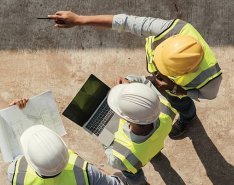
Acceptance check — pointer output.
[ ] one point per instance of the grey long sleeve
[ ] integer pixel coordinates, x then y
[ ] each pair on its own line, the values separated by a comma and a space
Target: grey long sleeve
209, 91
96, 177
141, 26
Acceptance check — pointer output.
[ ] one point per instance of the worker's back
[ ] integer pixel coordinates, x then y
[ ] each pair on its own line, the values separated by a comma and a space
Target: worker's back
74, 173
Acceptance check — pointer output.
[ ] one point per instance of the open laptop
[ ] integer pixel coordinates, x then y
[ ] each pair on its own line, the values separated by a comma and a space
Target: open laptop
89, 109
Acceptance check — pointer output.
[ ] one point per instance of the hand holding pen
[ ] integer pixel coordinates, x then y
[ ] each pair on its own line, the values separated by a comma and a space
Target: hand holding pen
65, 19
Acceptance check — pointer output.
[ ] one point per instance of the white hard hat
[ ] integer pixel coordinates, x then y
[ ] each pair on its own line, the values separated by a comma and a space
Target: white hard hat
135, 102
44, 150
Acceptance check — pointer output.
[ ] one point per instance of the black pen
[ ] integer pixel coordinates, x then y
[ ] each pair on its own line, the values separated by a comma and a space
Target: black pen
44, 18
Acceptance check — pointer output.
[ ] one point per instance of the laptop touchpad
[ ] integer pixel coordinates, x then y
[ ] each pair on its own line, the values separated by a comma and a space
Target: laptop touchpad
113, 124
106, 137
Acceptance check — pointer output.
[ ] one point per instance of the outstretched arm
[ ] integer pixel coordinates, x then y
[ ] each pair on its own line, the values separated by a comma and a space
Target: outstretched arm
141, 26
68, 19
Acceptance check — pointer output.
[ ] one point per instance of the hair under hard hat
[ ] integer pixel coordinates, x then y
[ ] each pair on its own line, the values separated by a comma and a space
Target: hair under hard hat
178, 55
44, 150
134, 102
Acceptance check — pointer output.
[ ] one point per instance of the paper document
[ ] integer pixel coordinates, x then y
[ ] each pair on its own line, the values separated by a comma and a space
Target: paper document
40, 109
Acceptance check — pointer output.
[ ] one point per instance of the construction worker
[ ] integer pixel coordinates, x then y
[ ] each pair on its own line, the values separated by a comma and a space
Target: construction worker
146, 121
181, 62
47, 161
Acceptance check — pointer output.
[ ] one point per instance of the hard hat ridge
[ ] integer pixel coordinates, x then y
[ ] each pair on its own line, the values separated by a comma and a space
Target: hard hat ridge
44, 150
141, 101
178, 55
135, 102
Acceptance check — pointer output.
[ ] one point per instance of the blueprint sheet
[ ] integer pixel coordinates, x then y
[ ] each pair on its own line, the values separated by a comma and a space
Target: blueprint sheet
40, 109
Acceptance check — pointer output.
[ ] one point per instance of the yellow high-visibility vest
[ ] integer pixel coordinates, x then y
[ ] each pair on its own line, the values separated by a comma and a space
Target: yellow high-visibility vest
208, 68
73, 174
136, 155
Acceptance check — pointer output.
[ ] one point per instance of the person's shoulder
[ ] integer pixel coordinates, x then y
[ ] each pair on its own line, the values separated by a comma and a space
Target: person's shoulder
12, 167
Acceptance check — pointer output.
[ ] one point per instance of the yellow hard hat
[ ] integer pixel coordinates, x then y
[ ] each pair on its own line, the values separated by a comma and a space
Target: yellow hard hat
178, 55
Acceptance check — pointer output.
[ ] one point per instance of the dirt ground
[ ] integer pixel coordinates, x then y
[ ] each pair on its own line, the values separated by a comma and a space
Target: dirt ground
34, 58
203, 157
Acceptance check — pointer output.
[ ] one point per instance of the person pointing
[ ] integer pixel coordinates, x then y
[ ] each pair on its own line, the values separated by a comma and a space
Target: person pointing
181, 63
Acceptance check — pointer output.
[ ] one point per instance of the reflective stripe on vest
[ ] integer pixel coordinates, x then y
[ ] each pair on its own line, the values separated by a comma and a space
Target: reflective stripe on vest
75, 170
208, 68
199, 80
174, 29
132, 159
80, 166
19, 177
136, 155
167, 109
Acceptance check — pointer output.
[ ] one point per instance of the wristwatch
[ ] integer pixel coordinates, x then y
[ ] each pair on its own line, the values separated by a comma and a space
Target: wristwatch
174, 89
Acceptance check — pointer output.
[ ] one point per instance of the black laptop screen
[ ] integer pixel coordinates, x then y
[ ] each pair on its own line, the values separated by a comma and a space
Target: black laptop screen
86, 100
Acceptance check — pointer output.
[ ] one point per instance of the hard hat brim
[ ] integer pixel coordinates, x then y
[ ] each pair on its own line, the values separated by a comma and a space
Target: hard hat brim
159, 63
113, 98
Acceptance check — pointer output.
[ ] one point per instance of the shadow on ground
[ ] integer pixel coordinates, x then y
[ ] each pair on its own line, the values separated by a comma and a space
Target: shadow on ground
218, 170
162, 165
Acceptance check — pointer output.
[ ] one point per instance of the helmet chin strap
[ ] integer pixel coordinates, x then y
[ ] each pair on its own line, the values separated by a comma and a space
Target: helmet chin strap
47, 177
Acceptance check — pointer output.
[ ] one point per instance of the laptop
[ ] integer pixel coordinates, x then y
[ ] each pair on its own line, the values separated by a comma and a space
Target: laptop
89, 109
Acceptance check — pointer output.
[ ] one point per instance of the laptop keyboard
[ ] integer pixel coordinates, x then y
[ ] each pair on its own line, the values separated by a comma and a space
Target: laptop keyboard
100, 119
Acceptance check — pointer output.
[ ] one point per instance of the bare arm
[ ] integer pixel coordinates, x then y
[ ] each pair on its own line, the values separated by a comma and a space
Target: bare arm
68, 19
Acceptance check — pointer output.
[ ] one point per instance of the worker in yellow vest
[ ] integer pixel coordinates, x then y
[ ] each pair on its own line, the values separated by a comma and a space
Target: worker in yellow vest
182, 65
47, 161
145, 122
